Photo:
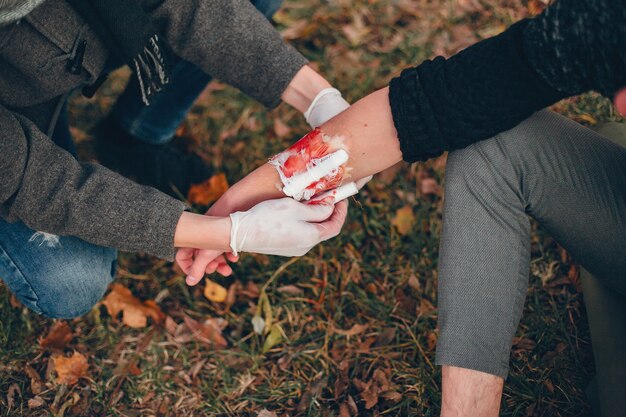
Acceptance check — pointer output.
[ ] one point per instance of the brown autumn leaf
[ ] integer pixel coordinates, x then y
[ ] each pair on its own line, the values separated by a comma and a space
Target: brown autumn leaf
378, 386
36, 385
208, 191
404, 220
354, 330
70, 369
536, 7
215, 292
59, 337
135, 312
36, 402
209, 331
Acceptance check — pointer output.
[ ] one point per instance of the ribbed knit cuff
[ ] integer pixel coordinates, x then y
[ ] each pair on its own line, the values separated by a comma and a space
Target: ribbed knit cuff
405, 97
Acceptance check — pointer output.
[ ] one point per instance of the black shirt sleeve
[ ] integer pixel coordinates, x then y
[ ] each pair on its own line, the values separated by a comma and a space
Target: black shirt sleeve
446, 104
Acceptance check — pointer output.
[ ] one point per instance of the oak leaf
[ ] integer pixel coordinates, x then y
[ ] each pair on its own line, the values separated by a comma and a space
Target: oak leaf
59, 337
135, 312
404, 220
208, 191
70, 369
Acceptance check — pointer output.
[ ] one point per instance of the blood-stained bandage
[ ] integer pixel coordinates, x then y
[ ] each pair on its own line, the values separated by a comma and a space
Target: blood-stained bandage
314, 164
338, 194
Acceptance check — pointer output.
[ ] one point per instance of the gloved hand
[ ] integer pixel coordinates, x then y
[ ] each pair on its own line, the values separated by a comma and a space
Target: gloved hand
327, 104
285, 227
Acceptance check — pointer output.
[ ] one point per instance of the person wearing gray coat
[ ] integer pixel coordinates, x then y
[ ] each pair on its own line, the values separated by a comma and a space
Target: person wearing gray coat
61, 220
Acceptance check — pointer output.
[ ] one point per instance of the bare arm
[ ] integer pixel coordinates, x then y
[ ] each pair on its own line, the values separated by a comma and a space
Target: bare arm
370, 138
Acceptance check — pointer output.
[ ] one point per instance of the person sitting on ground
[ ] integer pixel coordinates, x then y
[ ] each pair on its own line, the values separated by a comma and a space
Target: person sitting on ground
508, 160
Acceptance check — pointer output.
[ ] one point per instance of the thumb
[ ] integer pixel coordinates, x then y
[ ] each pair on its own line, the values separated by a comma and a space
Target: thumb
317, 211
331, 227
620, 101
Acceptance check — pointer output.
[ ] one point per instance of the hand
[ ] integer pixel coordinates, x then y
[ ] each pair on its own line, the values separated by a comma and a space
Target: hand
285, 227
327, 104
295, 227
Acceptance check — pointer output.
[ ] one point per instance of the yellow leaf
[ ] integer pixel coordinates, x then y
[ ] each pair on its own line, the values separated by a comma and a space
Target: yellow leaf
273, 338
215, 292
209, 191
404, 220
70, 369
135, 312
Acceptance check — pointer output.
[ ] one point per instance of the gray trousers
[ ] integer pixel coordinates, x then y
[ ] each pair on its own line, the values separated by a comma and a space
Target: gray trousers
567, 177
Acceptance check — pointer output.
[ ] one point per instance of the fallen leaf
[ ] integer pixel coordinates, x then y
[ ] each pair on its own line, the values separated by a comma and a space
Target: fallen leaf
36, 402
208, 191
430, 186
70, 369
415, 283
431, 339
354, 330
274, 337
15, 303
59, 337
378, 386
215, 292
209, 331
404, 220
281, 129
536, 7
266, 413
135, 312
289, 290
36, 386
13, 389
258, 324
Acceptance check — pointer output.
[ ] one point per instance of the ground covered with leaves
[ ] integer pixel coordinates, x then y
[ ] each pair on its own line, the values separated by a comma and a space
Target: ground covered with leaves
350, 328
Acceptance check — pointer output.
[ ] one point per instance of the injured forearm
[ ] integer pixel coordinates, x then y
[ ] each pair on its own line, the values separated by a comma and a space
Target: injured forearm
357, 143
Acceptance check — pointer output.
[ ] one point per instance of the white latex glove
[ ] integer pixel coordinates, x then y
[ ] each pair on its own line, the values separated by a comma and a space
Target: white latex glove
327, 104
285, 227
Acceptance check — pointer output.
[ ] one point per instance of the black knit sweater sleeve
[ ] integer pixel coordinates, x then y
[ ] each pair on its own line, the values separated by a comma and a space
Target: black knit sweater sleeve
446, 104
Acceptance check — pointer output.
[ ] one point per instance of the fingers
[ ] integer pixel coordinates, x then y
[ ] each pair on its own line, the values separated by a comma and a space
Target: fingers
316, 212
200, 263
184, 258
620, 102
331, 227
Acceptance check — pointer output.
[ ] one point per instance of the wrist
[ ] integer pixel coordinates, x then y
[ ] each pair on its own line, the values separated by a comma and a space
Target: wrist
203, 232
304, 87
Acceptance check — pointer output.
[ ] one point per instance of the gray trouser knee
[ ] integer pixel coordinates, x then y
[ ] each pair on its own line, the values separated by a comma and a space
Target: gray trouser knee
571, 180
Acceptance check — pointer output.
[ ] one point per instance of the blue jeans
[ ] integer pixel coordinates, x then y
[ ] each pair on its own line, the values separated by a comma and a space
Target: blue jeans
157, 123
61, 279
65, 280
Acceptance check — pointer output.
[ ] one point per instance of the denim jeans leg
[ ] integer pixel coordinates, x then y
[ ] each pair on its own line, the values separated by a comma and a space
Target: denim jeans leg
157, 123
61, 279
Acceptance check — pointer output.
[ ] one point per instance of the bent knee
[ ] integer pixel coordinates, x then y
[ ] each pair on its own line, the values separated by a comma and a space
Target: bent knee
74, 292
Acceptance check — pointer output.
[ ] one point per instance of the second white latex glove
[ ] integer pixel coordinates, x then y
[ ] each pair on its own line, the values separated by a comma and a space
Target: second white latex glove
285, 227
327, 104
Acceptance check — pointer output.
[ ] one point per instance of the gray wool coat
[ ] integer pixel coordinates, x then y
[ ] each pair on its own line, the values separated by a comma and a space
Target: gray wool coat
48, 189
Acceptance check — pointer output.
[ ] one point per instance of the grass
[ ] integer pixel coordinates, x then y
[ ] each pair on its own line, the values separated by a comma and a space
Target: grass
370, 276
